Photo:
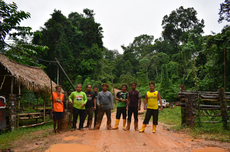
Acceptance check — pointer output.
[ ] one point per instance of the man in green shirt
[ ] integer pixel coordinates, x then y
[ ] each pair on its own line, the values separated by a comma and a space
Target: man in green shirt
122, 98
79, 100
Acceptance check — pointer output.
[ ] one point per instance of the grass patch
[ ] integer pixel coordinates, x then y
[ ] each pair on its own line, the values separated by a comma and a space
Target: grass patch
170, 116
204, 130
8, 138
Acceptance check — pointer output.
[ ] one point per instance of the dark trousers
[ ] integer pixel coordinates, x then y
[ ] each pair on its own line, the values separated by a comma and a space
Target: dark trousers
95, 116
101, 113
133, 110
81, 113
149, 113
121, 110
89, 113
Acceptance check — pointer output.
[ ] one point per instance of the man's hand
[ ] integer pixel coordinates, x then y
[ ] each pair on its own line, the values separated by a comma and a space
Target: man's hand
145, 108
161, 108
52, 109
71, 102
82, 105
94, 108
139, 108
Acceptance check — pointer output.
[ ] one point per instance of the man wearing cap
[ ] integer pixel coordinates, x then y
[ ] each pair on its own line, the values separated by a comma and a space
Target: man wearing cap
57, 99
105, 105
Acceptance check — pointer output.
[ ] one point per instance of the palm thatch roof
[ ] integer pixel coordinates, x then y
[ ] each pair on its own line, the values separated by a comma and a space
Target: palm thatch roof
30, 77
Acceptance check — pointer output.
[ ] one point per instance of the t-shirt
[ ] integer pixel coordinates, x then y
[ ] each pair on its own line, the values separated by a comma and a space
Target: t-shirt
57, 101
105, 100
90, 99
133, 98
78, 99
122, 95
152, 100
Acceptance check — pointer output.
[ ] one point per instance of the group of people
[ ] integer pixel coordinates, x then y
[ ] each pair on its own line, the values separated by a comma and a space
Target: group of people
89, 103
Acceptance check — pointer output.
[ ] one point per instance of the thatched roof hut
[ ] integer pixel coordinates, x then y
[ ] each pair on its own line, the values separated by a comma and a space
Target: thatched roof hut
29, 77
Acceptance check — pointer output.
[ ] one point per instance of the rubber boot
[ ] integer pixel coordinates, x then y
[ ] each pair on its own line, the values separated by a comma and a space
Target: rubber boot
90, 124
154, 128
143, 128
98, 125
128, 126
116, 124
136, 126
124, 122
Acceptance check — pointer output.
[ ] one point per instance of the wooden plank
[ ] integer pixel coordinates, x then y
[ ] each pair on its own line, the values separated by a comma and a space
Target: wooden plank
212, 100
210, 116
210, 108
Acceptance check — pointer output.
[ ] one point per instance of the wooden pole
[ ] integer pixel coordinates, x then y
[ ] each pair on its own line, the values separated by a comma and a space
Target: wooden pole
224, 110
57, 75
12, 85
44, 109
224, 70
113, 88
19, 93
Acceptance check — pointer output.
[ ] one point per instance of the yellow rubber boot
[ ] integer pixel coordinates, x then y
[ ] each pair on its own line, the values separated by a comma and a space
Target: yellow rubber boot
143, 128
154, 128
124, 122
116, 124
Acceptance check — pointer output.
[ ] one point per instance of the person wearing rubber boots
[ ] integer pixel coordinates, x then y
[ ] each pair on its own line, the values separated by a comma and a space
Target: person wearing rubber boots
105, 105
122, 98
133, 106
90, 105
151, 105
78, 99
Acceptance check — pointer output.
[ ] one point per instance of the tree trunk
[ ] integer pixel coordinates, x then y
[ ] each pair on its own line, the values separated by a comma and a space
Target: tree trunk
156, 71
224, 70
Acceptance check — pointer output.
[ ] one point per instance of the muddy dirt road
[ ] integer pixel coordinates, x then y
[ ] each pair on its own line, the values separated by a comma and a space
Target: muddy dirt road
104, 140
118, 140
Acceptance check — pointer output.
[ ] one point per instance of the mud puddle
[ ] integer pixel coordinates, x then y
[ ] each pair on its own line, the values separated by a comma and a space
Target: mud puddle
71, 148
210, 149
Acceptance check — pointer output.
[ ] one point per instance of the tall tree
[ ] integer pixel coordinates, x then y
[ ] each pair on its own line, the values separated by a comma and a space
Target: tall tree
180, 23
224, 13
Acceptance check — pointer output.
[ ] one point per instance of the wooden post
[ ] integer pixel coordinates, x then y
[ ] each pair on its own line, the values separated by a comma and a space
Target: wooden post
12, 85
19, 93
57, 75
12, 111
190, 109
44, 108
224, 110
113, 89
224, 70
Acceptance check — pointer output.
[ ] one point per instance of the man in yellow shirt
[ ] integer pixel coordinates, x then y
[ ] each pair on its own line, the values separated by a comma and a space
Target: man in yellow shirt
151, 98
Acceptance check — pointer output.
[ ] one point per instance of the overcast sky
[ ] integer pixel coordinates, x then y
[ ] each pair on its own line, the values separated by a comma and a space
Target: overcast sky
122, 20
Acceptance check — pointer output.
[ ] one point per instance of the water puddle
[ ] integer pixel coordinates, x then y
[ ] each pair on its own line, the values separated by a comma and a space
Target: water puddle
210, 149
70, 138
71, 148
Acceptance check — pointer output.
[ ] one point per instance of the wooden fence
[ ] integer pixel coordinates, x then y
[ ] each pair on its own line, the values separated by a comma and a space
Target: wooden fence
204, 104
